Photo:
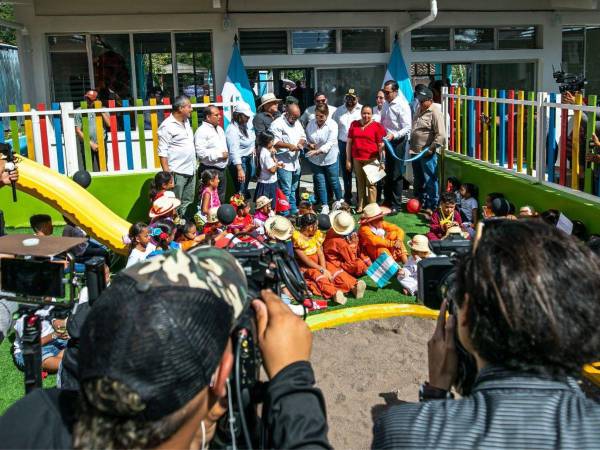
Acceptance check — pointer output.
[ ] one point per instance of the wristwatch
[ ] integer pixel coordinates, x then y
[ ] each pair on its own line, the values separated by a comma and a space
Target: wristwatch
322, 270
428, 392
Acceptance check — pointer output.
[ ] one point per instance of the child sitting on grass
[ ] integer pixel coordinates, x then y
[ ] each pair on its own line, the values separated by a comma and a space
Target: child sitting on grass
377, 236
187, 236
162, 233
41, 224
163, 181
487, 211
407, 275
445, 217
139, 243
262, 212
243, 222
209, 193
468, 206
341, 245
164, 208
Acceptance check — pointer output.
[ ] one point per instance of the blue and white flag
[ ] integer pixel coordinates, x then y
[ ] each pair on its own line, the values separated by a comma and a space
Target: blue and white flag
383, 269
396, 70
237, 87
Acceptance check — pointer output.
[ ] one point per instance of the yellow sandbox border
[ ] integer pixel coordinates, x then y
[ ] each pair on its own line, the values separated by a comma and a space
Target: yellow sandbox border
345, 316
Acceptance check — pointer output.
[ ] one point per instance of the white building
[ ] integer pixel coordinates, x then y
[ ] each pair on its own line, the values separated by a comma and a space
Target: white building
132, 47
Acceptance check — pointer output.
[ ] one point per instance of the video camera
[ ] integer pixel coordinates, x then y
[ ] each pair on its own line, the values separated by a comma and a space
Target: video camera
569, 82
266, 266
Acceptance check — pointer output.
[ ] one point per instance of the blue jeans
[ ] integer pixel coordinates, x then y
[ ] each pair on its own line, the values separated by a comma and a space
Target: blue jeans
431, 192
48, 350
346, 174
289, 183
324, 177
248, 168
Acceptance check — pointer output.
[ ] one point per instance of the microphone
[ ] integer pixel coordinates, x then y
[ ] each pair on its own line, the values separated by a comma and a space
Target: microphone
226, 214
10, 166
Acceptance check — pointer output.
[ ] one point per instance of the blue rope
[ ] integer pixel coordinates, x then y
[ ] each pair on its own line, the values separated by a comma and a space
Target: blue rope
390, 148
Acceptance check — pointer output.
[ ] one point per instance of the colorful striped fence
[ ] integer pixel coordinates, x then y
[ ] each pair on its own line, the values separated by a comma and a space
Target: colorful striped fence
522, 131
58, 136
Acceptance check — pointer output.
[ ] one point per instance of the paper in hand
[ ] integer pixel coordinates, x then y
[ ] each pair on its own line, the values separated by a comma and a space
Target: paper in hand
374, 172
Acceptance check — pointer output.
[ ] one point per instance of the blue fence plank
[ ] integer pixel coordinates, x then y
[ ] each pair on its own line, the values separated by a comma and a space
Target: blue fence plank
551, 143
502, 136
1, 130
127, 128
472, 118
60, 155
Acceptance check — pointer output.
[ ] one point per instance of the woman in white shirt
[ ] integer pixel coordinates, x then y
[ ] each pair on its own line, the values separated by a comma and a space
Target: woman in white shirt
321, 141
241, 143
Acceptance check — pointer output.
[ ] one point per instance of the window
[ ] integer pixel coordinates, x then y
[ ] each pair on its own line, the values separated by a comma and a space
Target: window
194, 64
517, 38
313, 41
70, 75
263, 42
580, 48
111, 61
336, 82
573, 47
424, 39
363, 40
473, 38
592, 68
153, 63
518, 76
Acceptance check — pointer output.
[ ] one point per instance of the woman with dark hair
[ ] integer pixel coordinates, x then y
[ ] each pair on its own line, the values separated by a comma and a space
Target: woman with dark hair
241, 143
364, 146
530, 326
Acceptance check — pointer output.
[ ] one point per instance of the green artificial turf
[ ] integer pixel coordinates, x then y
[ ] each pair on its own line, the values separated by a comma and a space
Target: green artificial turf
11, 379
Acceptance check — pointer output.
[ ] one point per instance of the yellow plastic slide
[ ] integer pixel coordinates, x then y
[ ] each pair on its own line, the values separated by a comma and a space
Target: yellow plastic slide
74, 202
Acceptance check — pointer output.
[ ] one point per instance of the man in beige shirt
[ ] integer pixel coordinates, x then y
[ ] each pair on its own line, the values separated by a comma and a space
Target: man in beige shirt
428, 130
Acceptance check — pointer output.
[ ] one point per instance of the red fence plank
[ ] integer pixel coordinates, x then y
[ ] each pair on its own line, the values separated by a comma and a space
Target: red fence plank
44, 133
114, 137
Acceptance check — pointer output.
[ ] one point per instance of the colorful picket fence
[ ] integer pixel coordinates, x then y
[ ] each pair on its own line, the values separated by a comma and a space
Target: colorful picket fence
528, 133
126, 135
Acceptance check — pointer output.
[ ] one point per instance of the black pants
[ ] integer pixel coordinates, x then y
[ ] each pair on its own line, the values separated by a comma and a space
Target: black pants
392, 189
222, 180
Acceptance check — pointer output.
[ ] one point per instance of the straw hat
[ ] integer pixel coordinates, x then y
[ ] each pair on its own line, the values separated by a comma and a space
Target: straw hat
262, 201
163, 205
419, 243
279, 227
342, 222
371, 212
268, 98
212, 217
456, 230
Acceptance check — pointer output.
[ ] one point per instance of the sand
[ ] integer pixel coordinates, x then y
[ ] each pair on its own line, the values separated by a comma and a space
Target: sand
364, 367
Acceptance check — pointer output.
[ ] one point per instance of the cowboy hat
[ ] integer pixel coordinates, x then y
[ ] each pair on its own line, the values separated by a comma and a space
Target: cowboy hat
212, 216
419, 243
163, 205
342, 222
267, 98
371, 212
279, 227
456, 231
243, 108
262, 201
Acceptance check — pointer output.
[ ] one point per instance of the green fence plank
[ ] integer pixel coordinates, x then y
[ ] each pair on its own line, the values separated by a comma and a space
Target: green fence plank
85, 129
194, 115
530, 134
589, 174
142, 137
494, 128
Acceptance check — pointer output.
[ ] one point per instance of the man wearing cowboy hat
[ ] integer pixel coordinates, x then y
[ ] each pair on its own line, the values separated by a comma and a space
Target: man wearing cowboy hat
268, 112
378, 236
341, 245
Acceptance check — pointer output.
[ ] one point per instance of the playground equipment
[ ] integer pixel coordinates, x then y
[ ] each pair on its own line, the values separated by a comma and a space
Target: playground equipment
74, 202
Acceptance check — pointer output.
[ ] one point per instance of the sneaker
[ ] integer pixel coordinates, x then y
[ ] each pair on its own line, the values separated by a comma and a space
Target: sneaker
297, 309
359, 289
325, 209
340, 298
313, 305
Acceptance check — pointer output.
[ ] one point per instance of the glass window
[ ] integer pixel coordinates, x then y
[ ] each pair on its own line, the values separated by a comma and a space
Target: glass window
473, 38
518, 76
336, 82
363, 40
430, 39
263, 42
592, 68
112, 66
69, 70
573, 47
153, 65
194, 64
517, 38
313, 41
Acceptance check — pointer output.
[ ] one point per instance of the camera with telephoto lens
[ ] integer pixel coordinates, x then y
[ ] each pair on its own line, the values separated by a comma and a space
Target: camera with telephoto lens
569, 82
436, 278
266, 266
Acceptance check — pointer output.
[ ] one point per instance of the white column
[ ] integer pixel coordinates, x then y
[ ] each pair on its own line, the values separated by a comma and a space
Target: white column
68, 128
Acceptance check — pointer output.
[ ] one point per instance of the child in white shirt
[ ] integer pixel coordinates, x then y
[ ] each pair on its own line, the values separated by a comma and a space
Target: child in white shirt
408, 275
268, 164
139, 243
468, 206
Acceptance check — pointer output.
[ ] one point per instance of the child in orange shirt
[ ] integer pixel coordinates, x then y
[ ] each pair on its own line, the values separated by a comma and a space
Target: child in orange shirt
377, 236
341, 245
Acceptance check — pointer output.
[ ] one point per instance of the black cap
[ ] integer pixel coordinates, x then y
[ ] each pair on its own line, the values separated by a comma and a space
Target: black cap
422, 93
324, 222
500, 207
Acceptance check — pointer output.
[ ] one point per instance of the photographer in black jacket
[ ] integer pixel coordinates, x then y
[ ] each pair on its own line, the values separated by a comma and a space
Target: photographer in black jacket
155, 354
527, 303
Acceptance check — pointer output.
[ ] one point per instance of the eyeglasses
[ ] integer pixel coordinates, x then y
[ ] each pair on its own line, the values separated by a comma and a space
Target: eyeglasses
387, 92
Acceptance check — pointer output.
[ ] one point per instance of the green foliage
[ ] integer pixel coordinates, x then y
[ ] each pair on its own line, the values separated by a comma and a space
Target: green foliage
7, 36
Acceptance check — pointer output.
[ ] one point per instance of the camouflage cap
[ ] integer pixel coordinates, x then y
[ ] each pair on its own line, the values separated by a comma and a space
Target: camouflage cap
162, 326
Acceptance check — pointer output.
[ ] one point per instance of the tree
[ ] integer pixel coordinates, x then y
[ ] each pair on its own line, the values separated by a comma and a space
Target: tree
7, 36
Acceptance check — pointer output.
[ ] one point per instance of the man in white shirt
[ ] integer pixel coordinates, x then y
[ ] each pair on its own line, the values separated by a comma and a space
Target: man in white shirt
289, 141
211, 147
344, 116
309, 113
176, 151
378, 108
396, 118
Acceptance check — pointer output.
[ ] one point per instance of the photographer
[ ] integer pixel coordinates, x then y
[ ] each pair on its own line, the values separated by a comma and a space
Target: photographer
530, 326
155, 355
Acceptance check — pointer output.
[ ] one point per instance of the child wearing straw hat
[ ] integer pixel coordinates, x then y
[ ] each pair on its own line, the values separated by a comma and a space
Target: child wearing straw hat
164, 207
377, 236
341, 245
262, 212
407, 275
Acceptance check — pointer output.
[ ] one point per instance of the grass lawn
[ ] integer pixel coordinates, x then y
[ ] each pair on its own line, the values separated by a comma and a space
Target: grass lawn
11, 379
